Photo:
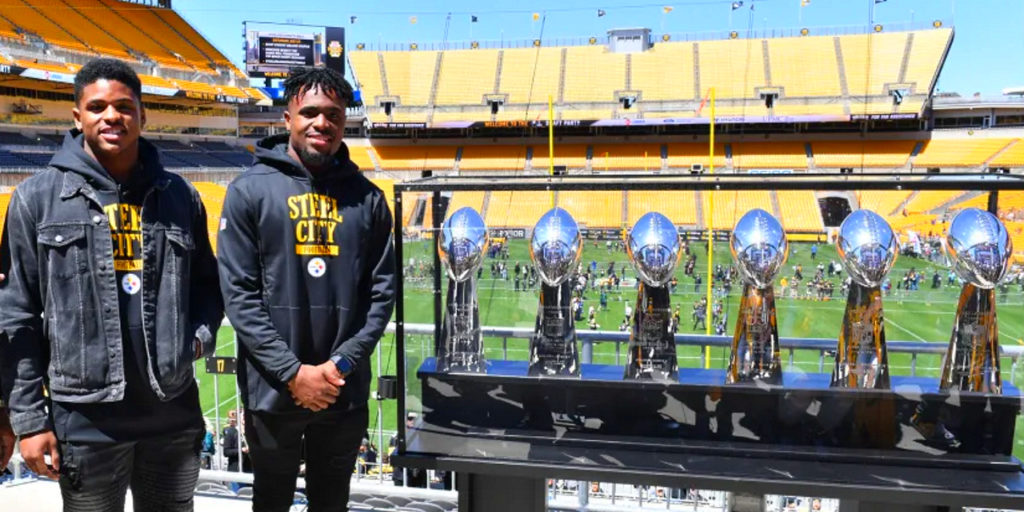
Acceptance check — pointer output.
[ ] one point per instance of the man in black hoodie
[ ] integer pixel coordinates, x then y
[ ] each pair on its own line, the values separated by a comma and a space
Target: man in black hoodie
111, 294
307, 270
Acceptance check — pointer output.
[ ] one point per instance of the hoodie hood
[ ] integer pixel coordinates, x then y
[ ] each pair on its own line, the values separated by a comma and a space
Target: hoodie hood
273, 151
71, 157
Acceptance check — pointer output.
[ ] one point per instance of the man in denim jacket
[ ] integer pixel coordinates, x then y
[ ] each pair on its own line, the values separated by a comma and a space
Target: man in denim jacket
111, 294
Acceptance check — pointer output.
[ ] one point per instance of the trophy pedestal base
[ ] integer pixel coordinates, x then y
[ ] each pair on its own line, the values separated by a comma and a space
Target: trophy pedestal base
803, 418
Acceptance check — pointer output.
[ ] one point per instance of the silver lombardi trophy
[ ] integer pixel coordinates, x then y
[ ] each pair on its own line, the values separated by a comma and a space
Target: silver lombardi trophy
555, 249
980, 248
462, 244
759, 246
868, 249
654, 249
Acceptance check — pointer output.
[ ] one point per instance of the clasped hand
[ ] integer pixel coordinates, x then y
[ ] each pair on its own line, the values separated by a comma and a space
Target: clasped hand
316, 387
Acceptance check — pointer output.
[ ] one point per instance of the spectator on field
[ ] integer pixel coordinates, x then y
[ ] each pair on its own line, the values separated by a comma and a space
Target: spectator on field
229, 441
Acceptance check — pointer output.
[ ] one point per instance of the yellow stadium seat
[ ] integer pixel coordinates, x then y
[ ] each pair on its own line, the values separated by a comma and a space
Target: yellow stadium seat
417, 158
872, 60
366, 70
733, 67
859, 154
517, 208
626, 156
573, 156
665, 72
791, 59
769, 155
26, 14
924, 201
799, 211
730, 205
410, 75
593, 209
680, 206
361, 156
882, 202
684, 154
958, 152
530, 75
466, 75
469, 198
497, 158
593, 74
212, 196
1011, 157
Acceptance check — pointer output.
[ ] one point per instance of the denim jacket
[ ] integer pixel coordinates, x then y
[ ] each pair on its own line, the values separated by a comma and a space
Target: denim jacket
59, 312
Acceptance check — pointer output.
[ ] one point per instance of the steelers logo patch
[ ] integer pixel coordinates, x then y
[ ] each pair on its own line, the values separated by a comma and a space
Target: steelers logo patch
316, 267
131, 284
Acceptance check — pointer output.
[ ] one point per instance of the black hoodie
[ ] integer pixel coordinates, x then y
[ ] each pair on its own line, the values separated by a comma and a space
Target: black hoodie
307, 271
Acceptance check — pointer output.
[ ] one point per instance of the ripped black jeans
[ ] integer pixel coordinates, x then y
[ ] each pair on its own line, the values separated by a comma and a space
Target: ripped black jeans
162, 472
326, 441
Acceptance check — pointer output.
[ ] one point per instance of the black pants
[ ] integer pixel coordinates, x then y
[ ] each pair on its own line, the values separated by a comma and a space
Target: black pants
331, 442
162, 472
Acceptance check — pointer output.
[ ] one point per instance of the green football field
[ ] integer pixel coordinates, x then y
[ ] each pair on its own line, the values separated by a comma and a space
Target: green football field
921, 315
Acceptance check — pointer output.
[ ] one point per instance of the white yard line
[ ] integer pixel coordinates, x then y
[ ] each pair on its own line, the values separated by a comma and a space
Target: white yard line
904, 329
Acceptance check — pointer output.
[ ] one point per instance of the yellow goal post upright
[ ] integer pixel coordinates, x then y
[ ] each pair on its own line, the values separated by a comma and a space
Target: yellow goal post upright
711, 226
551, 142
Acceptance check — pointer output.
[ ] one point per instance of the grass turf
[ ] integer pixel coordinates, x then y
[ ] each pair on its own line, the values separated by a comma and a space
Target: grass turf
921, 315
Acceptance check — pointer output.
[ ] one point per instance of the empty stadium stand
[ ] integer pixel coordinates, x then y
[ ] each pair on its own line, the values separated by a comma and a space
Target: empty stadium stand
627, 156
799, 211
852, 74
519, 209
679, 206
769, 155
958, 152
861, 154
212, 196
593, 209
414, 158
730, 205
882, 202
499, 158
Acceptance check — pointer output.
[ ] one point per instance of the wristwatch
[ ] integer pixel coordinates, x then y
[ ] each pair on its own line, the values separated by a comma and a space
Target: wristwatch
343, 364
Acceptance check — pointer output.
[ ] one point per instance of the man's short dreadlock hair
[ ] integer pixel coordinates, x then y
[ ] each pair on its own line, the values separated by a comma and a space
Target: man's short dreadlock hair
107, 69
303, 79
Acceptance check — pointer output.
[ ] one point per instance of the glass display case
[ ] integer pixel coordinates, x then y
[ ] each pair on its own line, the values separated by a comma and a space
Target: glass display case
841, 332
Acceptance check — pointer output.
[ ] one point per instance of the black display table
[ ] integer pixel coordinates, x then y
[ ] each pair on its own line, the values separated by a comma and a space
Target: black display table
911, 444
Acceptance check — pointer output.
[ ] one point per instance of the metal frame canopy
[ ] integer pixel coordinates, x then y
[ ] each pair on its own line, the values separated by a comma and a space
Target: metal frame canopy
868, 479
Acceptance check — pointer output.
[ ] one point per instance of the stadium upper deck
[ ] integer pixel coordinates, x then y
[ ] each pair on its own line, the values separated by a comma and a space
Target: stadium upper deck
872, 74
171, 57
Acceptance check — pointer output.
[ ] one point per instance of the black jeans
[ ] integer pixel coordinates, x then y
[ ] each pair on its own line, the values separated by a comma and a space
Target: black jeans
331, 441
162, 472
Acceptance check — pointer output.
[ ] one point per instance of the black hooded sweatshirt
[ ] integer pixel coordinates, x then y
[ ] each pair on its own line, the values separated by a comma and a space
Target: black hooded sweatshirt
307, 271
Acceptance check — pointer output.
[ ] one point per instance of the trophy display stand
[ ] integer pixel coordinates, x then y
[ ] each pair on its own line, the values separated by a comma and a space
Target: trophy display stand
751, 427
862, 360
652, 346
972, 360
553, 350
461, 349
755, 346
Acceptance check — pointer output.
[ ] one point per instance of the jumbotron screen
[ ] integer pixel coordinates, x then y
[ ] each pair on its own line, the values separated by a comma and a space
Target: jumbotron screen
271, 54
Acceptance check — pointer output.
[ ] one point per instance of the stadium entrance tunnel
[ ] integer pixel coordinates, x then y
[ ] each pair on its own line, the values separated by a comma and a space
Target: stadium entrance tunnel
834, 210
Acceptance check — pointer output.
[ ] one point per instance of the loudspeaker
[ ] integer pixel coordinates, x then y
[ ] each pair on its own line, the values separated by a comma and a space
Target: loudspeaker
560, 170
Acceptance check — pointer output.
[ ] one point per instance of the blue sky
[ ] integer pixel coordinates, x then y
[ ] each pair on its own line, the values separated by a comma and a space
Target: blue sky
987, 53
